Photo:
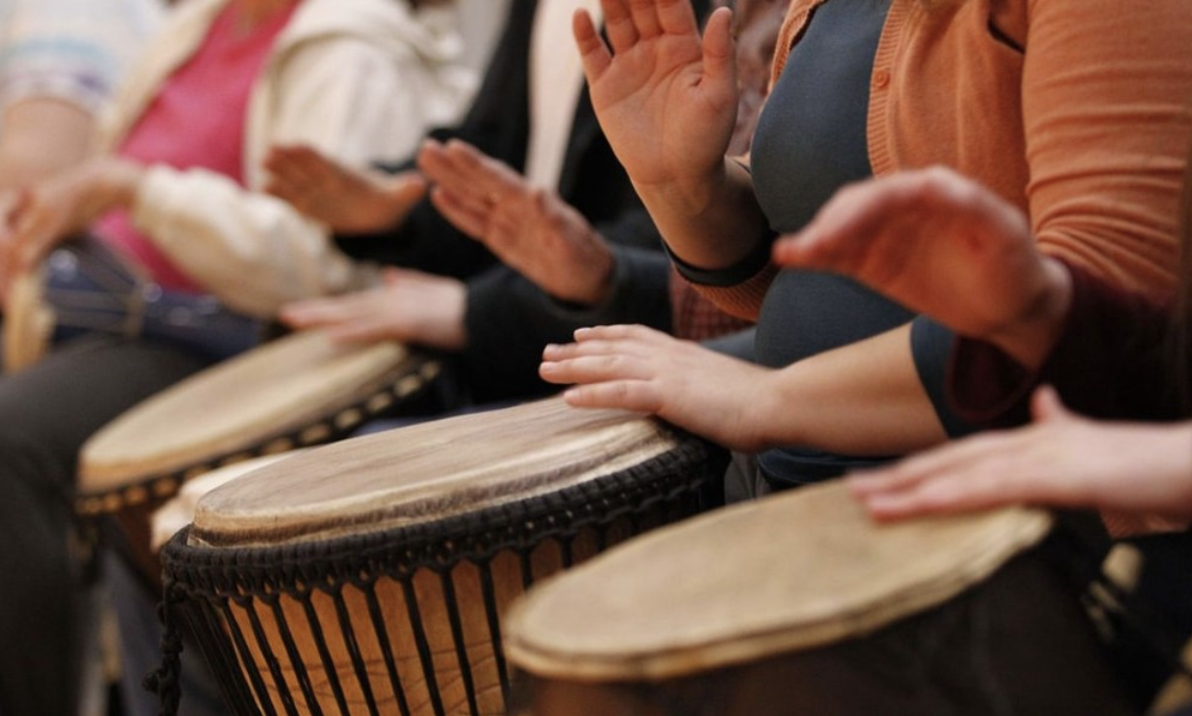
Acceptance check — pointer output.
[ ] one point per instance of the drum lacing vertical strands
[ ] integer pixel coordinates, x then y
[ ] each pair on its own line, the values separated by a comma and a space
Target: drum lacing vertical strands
406, 619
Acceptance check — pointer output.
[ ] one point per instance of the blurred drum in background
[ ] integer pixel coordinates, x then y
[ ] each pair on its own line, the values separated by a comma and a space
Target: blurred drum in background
296, 391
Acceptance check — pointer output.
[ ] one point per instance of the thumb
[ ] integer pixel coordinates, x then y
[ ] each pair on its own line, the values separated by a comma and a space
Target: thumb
411, 187
1046, 405
720, 56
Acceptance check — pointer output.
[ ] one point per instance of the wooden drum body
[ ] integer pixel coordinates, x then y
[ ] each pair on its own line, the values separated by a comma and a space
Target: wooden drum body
370, 576
798, 604
296, 391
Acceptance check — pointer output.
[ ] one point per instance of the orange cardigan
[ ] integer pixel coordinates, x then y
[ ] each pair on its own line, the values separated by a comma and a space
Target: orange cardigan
1078, 111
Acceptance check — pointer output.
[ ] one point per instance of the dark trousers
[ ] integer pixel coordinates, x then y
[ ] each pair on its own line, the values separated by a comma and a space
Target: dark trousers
47, 412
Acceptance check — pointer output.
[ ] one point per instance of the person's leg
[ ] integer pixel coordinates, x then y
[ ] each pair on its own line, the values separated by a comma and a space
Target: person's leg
47, 412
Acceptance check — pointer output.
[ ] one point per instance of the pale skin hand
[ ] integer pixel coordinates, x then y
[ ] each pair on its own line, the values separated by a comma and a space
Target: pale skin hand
643, 370
860, 399
411, 307
1060, 460
531, 230
347, 200
945, 246
43, 215
667, 102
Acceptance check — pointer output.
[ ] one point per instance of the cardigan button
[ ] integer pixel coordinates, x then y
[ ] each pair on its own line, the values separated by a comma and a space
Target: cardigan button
881, 79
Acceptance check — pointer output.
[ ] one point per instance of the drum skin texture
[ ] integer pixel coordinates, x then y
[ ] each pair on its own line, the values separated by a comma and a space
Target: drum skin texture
371, 576
798, 604
296, 391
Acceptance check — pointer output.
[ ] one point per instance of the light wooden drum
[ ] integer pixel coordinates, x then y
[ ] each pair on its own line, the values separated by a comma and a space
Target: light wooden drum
296, 391
799, 604
370, 576
104, 296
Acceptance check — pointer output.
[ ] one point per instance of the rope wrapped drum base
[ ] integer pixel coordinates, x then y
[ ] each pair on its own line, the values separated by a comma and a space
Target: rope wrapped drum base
371, 576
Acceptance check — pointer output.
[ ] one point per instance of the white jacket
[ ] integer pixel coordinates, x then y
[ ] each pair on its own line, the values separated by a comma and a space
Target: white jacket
360, 80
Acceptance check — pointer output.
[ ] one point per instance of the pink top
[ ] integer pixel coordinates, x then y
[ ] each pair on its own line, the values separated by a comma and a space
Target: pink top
196, 121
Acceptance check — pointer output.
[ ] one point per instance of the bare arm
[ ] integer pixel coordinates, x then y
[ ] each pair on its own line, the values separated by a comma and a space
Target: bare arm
40, 137
1061, 460
862, 399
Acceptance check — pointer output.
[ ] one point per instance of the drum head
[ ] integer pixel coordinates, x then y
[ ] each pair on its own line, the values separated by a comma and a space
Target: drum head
179, 511
425, 473
789, 572
275, 392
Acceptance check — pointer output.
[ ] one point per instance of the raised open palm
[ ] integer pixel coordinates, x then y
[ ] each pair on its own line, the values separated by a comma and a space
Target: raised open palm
666, 99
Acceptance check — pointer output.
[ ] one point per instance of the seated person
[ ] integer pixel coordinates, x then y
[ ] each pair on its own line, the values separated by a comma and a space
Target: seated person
62, 60
177, 192
577, 245
859, 92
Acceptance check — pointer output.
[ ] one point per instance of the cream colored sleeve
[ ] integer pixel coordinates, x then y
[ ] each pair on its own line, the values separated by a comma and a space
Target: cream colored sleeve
352, 101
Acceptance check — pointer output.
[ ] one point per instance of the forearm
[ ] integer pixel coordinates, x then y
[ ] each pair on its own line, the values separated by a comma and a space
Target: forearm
861, 399
40, 137
710, 223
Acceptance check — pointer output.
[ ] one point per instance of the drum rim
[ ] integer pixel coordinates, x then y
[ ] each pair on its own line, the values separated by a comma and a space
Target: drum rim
411, 376
398, 552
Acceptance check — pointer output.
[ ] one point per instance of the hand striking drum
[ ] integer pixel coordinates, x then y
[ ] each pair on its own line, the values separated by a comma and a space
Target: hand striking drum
799, 604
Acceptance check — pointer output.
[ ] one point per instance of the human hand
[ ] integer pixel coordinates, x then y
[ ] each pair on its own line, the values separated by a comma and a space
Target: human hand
38, 217
1061, 459
945, 246
666, 99
411, 307
349, 201
636, 368
532, 230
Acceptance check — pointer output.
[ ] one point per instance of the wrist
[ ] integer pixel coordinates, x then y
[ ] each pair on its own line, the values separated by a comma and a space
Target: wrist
107, 183
692, 194
1032, 335
597, 276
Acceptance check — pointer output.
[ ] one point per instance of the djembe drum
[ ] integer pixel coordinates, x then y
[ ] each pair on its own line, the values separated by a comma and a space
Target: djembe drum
296, 391
370, 576
799, 604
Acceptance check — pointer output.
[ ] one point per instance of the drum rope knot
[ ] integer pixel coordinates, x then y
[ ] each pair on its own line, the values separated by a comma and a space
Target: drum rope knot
165, 680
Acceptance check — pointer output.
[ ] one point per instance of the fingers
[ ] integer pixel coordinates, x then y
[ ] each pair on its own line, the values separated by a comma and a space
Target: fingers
629, 340
1046, 405
638, 396
603, 355
315, 313
720, 57
594, 54
367, 328
619, 25
943, 495
645, 18
926, 465
472, 178
297, 164
676, 17
468, 217
408, 188
599, 368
